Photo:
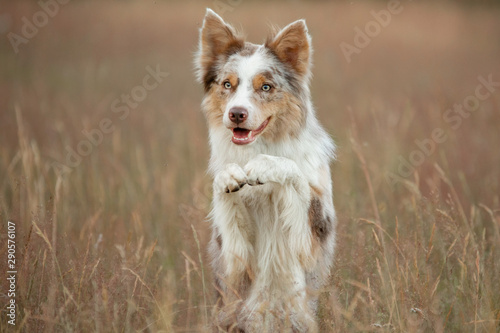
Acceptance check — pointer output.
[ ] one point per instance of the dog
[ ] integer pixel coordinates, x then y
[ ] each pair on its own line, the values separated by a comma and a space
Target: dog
273, 219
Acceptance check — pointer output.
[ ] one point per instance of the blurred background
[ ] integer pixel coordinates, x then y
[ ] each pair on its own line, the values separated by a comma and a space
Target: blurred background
103, 152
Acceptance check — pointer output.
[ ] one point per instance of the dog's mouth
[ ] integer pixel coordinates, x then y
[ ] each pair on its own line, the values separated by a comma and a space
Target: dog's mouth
243, 136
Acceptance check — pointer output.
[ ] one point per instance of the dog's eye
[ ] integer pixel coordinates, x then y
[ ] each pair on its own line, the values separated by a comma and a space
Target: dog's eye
266, 87
227, 85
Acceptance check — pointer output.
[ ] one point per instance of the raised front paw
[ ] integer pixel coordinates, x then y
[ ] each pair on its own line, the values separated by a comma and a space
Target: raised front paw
231, 179
266, 168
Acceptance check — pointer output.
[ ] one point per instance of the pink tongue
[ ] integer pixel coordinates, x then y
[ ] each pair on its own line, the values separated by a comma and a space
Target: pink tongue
240, 133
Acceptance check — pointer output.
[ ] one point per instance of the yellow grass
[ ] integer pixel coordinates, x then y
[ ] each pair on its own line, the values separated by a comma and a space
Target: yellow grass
117, 243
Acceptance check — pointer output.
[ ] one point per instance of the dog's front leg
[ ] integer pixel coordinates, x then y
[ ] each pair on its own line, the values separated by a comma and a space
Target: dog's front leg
293, 194
285, 249
233, 225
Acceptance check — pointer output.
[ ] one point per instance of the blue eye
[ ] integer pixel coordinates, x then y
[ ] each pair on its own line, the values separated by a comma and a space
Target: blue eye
227, 85
266, 87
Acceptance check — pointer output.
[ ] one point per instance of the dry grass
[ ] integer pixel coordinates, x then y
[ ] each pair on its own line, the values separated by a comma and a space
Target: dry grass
117, 244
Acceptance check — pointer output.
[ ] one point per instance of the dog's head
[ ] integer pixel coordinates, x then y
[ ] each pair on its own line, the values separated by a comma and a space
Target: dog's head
254, 92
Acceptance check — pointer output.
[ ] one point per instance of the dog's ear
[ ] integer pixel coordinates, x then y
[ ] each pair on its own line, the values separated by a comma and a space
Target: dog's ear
217, 38
292, 45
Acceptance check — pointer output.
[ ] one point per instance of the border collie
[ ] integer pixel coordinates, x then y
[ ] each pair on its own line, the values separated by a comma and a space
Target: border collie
273, 220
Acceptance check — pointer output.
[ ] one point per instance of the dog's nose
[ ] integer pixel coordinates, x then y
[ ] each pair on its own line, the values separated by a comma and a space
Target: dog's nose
238, 115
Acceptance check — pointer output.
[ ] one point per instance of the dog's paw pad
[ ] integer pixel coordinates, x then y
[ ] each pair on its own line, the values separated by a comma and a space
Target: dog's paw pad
255, 182
234, 189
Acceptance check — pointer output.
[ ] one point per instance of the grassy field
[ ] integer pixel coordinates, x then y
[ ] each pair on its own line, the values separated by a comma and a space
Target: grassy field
109, 195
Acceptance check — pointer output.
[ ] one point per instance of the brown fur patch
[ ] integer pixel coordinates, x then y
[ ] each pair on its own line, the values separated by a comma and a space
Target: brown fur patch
292, 47
213, 107
215, 104
320, 224
288, 116
234, 80
259, 80
217, 39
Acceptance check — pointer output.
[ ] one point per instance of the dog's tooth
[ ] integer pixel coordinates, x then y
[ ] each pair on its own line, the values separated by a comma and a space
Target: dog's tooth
249, 134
